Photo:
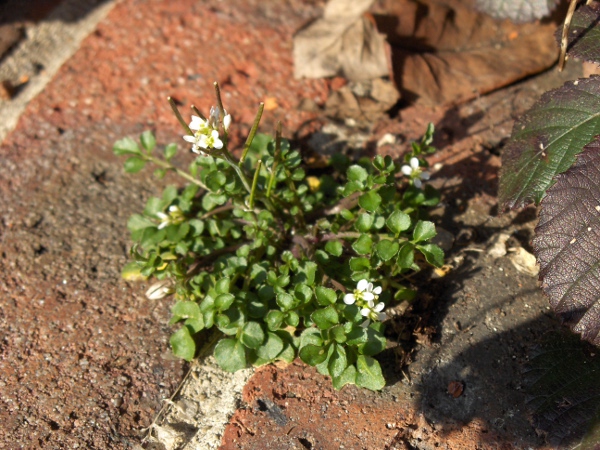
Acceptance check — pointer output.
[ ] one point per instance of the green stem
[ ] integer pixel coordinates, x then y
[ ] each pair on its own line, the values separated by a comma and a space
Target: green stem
253, 131
276, 157
181, 173
254, 183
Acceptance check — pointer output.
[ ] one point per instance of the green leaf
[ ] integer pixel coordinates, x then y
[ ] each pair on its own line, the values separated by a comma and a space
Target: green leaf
286, 301
230, 355
224, 301
325, 318
406, 256
360, 264
364, 222
134, 164
222, 286
546, 140
334, 248
186, 309
126, 146
183, 344
215, 180
148, 140
337, 361
271, 348
338, 334
357, 173
211, 200
375, 344
387, 249
313, 354
252, 335
292, 319
357, 336
363, 245
433, 254
303, 293
170, 151
325, 296
369, 373
138, 222
423, 231
370, 201
348, 376
274, 319
398, 222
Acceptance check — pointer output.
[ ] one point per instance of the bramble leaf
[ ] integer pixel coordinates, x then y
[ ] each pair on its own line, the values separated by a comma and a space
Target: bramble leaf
546, 140
567, 244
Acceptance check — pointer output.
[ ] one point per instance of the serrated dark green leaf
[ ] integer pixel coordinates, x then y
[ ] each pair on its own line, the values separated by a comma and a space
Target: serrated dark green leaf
546, 140
517, 10
567, 244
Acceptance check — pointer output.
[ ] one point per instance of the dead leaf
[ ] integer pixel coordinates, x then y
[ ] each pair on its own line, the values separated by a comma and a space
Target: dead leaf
367, 100
342, 42
445, 54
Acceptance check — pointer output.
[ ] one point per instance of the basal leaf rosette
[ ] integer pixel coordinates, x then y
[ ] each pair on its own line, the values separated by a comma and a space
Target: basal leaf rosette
567, 244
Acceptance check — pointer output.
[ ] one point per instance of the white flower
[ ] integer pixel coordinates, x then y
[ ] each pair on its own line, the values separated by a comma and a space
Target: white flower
205, 132
373, 312
226, 121
159, 290
174, 216
413, 170
364, 291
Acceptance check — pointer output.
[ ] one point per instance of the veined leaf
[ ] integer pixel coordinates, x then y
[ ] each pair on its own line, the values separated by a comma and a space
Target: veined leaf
546, 140
567, 244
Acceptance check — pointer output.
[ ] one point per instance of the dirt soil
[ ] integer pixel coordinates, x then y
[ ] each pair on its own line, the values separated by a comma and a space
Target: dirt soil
84, 356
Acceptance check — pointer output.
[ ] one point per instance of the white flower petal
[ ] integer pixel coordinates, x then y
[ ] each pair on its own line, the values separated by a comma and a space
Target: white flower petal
349, 299
362, 285
368, 296
417, 183
406, 170
218, 144
226, 121
365, 312
414, 163
425, 176
197, 123
189, 138
379, 307
161, 215
377, 290
162, 225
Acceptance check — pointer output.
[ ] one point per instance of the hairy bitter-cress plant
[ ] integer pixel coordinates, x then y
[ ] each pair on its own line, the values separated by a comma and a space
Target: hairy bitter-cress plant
281, 263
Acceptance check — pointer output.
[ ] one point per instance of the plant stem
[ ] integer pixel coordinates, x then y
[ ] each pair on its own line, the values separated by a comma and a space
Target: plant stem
254, 183
564, 41
252, 133
168, 166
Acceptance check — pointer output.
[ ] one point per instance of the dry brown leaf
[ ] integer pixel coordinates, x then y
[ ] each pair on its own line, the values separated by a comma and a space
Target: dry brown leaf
342, 42
448, 54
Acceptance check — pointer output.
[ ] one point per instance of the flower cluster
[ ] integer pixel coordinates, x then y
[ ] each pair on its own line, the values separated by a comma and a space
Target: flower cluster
414, 171
365, 296
206, 131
